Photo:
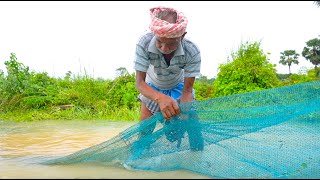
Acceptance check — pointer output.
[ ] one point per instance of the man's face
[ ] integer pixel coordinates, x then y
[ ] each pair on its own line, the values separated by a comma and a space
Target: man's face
167, 45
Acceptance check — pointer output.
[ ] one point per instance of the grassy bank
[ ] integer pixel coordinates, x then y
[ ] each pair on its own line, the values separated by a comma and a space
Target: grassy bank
73, 113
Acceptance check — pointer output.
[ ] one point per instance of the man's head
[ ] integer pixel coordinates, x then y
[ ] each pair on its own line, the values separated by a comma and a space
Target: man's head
169, 28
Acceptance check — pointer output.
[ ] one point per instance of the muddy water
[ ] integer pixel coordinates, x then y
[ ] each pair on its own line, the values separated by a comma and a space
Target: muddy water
24, 144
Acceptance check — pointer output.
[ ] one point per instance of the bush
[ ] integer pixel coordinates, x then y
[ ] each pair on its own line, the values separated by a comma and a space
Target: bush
249, 70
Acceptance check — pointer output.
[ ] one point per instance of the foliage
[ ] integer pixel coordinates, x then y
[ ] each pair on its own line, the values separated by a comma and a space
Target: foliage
23, 90
300, 78
123, 91
312, 53
305, 75
27, 95
17, 79
203, 88
249, 70
283, 76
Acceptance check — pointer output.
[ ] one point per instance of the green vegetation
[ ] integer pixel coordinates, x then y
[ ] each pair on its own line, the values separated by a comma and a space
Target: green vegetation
312, 53
26, 95
203, 88
248, 71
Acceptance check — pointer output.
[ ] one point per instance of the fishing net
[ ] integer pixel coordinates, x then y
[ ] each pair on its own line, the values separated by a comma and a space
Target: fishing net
272, 133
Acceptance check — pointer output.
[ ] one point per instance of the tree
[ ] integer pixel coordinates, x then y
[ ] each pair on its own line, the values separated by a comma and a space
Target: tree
312, 53
250, 70
317, 3
121, 71
288, 57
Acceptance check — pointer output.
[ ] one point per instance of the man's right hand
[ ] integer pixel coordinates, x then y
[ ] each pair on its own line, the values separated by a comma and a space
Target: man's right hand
168, 106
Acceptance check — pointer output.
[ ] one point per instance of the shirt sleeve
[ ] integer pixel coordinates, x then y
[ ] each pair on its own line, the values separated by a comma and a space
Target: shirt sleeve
141, 61
192, 68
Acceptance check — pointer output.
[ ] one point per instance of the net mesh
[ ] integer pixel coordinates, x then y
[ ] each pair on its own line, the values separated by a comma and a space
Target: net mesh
270, 133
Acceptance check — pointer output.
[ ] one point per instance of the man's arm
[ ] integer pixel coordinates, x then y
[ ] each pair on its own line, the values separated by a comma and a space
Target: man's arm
191, 70
168, 106
187, 90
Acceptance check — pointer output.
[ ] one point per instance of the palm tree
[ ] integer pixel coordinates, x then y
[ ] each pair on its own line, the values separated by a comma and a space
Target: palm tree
288, 57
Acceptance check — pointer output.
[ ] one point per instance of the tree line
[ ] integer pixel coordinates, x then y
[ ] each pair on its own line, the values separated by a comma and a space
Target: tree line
311, 52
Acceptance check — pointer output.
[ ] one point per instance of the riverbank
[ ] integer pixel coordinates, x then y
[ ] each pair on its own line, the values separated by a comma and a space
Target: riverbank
72, 113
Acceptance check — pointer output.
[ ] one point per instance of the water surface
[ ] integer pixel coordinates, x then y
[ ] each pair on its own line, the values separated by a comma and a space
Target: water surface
24, 144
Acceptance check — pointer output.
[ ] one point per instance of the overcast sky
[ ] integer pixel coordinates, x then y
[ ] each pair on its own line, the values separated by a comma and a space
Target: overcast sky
99, 37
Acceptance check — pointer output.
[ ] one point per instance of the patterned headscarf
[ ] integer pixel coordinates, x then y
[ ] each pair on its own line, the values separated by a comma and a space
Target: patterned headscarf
163, 28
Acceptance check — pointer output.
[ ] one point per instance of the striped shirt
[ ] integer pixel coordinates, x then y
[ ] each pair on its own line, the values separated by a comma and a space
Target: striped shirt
185, 62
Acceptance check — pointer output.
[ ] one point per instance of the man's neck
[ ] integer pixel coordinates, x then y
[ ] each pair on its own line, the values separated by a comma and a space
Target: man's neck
168, 57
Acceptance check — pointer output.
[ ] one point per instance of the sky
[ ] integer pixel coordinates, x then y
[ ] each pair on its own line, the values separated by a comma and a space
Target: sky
97, 37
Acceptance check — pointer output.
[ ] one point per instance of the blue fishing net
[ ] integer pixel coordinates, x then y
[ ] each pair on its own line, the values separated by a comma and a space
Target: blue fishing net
272, 133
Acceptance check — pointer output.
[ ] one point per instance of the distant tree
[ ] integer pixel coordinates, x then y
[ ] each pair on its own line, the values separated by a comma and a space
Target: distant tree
288, 57
312, 53
121, 71
317, 3
202, 78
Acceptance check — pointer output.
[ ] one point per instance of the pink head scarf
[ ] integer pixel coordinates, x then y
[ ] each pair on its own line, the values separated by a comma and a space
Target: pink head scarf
163, 28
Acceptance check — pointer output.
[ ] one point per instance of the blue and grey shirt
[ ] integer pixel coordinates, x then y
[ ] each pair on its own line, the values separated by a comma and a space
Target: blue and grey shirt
185, 62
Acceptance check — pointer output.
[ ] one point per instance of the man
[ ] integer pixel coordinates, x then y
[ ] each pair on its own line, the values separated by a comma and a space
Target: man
166, 64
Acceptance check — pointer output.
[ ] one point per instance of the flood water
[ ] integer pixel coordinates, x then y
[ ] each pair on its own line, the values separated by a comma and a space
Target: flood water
24, 144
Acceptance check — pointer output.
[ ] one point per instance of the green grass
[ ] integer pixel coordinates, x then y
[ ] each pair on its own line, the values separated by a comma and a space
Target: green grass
74, 113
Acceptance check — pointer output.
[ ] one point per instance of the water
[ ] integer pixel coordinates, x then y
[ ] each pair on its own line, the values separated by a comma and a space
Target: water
24, 144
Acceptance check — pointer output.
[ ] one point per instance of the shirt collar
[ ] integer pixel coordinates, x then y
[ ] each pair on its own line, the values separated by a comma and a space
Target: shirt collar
152, 48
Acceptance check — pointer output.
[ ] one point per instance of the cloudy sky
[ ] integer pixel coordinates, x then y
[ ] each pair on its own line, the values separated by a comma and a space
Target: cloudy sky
98, 37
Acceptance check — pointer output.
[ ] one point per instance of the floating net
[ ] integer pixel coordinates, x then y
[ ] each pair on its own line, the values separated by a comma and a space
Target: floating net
272, 133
